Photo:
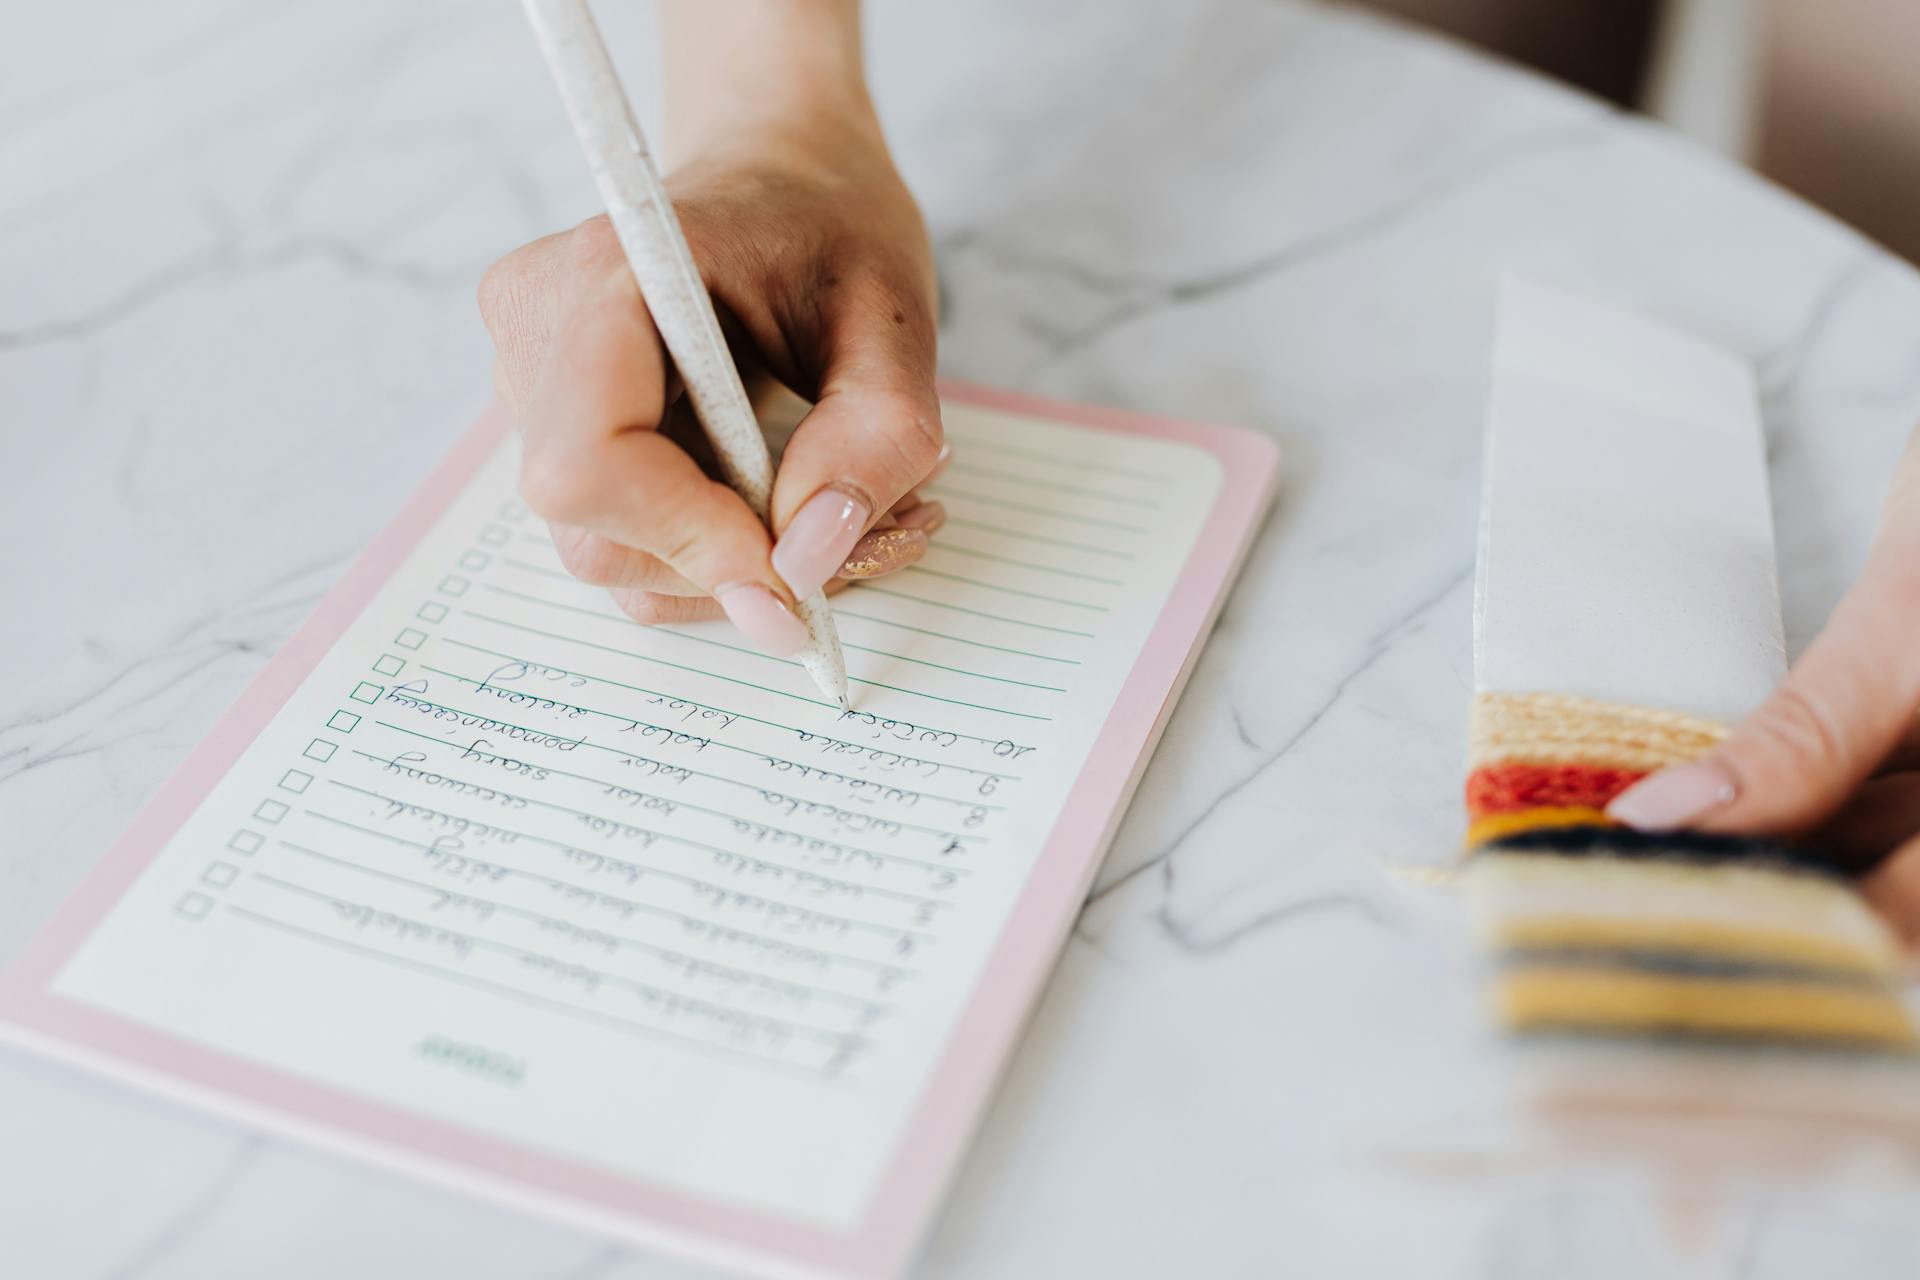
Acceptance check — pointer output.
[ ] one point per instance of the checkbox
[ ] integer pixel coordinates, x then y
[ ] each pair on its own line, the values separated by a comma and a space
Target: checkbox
389, 664
495, 535
432, 611
367, 693
296, 781
454, 585
411, 638
344, 721
320, 749
270, 811
247, 842
511, 510
194, 906
475, 560
219, 874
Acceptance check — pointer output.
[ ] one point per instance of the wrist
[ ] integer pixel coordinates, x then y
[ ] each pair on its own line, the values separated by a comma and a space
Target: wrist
751, 69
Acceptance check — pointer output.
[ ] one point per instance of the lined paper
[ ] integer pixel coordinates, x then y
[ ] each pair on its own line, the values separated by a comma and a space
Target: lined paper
639, 896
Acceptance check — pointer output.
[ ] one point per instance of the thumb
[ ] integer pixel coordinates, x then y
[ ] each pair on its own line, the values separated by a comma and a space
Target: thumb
1841, 711
873, 434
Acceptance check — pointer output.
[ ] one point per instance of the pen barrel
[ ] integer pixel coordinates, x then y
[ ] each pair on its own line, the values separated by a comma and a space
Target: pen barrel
649, 232
822, 657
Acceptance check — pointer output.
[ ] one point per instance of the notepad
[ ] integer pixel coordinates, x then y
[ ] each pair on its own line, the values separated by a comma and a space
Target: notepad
629, 925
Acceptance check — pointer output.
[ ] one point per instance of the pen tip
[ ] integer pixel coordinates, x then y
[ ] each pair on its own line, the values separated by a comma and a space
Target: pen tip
846, 703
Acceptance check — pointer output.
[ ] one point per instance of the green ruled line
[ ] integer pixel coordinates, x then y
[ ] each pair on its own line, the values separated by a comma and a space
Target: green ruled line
887, 653
624, 939
1052, 486
862, 586
978, 613
961, 522
946, 544
540, 569
737, 715
715, 675
1050, 513
972, 441
755, 653
839, 612
714, 741
959, 671
685, 804
652, 909
766, 657
521, 994
647, 868
1012, 591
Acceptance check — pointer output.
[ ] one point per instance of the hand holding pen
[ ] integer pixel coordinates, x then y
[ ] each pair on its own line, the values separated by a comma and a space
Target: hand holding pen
818, 264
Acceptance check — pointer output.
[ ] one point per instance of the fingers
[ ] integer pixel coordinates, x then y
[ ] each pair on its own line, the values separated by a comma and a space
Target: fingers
1846, 705
897, 540
1881, 815
1824, 731
517, 305
873, 434
1905, 757
582, 369
652, 608
1893, 889
1889, 810
594, 460
596, 560
649, 592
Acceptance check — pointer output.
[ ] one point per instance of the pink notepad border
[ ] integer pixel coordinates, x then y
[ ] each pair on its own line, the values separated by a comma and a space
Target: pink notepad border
521, 1177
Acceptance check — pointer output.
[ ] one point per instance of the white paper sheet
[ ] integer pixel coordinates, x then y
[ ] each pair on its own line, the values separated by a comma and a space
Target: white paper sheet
639, 896
1626, 543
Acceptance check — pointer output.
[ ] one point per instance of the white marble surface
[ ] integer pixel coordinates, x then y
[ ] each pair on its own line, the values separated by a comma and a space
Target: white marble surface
238, 243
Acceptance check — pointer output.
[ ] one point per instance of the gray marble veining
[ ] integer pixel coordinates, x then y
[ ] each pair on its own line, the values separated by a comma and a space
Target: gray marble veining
237, 256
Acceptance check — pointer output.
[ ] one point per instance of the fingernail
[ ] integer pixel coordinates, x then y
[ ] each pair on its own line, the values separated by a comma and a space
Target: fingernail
762, 618
940, 461
818, 540
1674, 797
928, 517
884, 551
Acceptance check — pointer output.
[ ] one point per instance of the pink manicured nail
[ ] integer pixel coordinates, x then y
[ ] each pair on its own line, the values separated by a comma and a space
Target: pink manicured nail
927, 517
884, 551
821, 535
1674, 797
762, 618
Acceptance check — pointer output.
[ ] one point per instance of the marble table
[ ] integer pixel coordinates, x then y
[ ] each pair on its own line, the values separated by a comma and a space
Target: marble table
238, 247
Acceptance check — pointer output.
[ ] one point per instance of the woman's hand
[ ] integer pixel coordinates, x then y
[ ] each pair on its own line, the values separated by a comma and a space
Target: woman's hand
820, 269
1834, 755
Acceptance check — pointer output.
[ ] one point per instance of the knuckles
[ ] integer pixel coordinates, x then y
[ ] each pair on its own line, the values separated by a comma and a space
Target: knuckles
594, 240
589, 557
906, 435
497, 286
642, 606
555, 491
1802, 732
649, 608
508, 288
678, 539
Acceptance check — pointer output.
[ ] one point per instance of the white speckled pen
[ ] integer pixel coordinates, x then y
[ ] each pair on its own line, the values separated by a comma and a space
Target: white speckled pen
669, 280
